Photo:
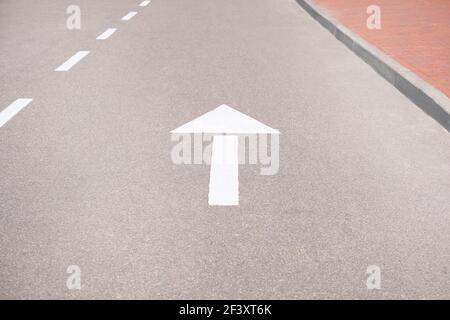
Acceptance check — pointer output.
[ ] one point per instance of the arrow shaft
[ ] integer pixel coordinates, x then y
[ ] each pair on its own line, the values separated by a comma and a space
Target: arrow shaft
224, 176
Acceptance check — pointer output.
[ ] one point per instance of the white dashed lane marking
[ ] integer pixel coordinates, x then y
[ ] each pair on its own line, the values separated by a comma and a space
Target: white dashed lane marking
144, 3
105, 35
19, 104
13, 109
129, 15
66, 66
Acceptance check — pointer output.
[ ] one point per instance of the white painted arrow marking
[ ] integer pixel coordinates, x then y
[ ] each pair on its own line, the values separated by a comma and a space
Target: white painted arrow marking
225, 119
224, 176
224, 180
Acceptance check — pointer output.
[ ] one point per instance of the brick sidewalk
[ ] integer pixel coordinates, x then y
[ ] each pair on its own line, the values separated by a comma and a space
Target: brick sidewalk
416, 33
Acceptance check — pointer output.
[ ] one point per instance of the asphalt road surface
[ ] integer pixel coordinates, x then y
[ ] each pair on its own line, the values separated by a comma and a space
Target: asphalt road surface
86, 176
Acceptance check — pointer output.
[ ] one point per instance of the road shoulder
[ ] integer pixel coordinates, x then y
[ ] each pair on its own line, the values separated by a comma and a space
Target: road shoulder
431, 100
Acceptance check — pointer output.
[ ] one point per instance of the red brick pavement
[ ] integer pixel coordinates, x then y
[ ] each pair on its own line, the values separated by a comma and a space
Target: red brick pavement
416, 33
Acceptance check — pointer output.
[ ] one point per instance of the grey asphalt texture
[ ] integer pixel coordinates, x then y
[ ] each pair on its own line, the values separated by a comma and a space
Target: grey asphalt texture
86, 177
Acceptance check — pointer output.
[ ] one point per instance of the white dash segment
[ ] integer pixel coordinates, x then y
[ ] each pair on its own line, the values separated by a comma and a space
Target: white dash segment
144, 3
108, 33
66, 66
224, 175
13, 109
129, 15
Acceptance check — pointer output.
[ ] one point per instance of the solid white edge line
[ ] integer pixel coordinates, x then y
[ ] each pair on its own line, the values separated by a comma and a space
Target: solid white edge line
13, 109
66, 66
129, 15
105, 35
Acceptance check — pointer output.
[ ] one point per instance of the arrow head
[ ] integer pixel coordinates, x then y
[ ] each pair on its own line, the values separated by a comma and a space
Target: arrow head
225, 119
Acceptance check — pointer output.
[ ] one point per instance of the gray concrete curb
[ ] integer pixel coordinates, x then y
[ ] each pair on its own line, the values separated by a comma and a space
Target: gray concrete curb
432, 101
